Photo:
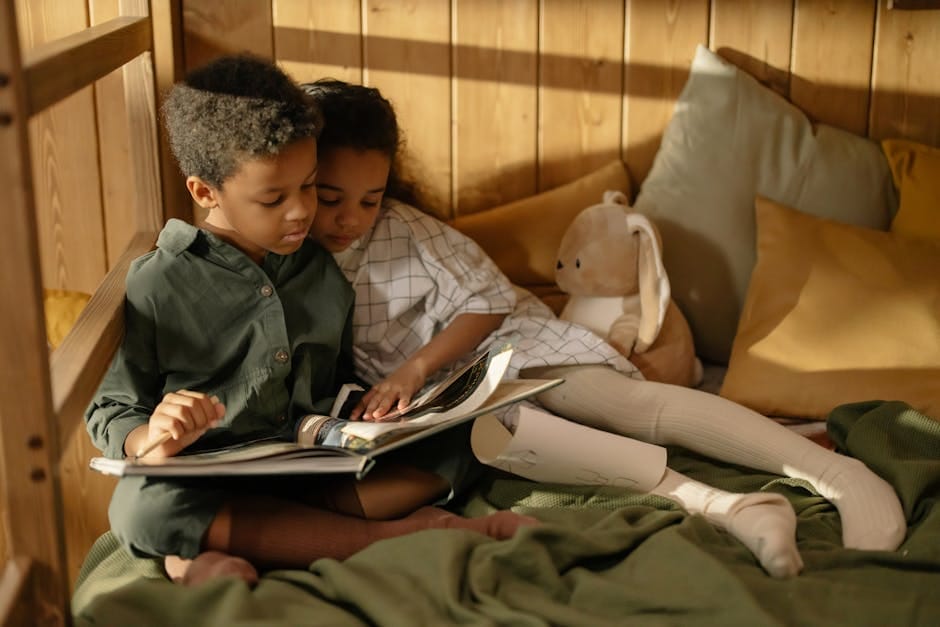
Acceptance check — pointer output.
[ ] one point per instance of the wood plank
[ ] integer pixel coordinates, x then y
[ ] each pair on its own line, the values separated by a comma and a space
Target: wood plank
28, 438
140, 100
496, 116
580, 86
64, 148
59, 68
319, 38
407, 56
905, 78
117, 180
831, 61
17, 606
755, 36
212, 28
660, 44
78, 364
168, 65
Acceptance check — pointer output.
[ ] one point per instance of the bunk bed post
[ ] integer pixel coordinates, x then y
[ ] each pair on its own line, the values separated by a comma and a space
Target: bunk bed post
28, 439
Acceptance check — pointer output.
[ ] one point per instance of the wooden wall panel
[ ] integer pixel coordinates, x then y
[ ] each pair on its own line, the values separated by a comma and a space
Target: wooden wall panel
660, 44
755, 35
407, 56
906, 76
212, 28
496, 108
580, 86
831, 61
117, 180
65, 161
319, 38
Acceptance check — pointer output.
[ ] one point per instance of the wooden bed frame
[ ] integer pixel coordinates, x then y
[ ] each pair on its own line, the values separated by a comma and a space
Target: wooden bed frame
872, 77
42, 397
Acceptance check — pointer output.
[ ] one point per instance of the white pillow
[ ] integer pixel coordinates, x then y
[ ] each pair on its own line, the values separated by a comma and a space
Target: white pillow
729, 140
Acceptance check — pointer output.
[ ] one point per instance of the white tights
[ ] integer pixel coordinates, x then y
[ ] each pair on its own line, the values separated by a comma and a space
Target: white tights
659, 413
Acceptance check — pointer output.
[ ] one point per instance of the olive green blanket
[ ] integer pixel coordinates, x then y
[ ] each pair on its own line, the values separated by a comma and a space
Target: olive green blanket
604, 556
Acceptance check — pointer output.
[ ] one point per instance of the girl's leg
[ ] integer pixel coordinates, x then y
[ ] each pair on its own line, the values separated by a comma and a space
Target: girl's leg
601, 397
764, 522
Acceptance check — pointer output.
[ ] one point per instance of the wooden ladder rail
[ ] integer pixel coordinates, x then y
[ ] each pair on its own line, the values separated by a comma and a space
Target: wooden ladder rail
41, 397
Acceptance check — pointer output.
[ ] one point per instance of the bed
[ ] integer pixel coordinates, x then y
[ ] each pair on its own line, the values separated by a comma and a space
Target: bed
603, 555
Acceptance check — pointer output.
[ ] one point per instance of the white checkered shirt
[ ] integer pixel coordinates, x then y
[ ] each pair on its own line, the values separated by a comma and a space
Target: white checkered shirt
414, 274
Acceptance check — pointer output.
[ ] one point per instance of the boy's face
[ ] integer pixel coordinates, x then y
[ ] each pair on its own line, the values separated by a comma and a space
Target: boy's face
350, 185
268, 205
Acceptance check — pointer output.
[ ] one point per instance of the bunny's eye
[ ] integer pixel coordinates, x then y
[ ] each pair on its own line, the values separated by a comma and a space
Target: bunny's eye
577, 263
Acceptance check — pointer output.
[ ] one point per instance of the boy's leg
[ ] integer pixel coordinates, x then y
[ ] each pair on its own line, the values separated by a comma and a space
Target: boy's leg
601, 397
277, 533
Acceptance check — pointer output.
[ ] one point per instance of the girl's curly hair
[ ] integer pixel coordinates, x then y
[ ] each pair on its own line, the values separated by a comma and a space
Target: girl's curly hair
361, 118
234, 108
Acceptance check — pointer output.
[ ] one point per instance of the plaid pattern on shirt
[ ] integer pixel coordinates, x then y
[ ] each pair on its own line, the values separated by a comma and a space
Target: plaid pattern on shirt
413, 275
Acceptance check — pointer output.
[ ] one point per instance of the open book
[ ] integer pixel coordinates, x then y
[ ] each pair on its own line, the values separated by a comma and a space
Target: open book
342, 446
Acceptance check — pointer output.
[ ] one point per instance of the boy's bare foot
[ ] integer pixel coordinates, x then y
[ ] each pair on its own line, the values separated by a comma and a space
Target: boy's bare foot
207, 566
500, 525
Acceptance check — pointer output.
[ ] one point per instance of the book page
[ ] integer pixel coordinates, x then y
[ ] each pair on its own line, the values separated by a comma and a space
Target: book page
483, 377
547, 448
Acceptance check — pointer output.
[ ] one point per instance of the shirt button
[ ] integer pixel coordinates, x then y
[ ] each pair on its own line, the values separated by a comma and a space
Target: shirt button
266, 290
281, 418
281, 357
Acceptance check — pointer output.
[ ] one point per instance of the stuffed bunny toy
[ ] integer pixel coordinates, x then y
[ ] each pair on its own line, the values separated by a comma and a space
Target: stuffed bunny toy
610, 264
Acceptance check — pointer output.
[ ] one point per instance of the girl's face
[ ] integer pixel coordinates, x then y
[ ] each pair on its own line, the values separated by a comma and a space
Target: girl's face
350, 185
268, 205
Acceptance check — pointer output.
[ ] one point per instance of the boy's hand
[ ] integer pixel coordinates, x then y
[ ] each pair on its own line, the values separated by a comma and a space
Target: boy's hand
185, 416
394, 392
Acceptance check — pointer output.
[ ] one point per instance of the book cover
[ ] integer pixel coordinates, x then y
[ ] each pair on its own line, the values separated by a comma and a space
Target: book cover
345, 446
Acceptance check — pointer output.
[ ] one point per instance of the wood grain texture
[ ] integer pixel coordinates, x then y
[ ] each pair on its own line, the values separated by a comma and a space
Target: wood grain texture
496, 103
580, 86
905, 99
755, 35
29, 487
407, 56
212, 28
660, 44
65, 162
831, 61
319, 38
117, 181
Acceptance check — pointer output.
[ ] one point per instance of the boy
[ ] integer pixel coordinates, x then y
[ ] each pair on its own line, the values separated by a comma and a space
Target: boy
235, 331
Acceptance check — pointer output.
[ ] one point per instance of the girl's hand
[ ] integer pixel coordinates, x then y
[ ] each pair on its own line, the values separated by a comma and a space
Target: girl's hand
185, 416
395, 392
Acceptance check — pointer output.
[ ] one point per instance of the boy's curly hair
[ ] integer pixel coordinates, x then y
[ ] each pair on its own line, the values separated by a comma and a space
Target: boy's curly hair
361, 118
234, 108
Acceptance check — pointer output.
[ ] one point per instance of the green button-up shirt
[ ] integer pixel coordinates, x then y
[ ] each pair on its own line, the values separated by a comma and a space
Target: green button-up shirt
272, 341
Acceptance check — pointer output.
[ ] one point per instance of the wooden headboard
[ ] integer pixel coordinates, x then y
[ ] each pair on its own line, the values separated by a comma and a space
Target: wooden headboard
498, 99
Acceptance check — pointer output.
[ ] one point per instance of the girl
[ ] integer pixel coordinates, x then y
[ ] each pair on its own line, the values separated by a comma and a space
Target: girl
426, 296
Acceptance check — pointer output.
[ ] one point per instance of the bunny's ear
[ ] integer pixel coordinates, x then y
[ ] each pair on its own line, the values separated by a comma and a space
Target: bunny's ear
612, 197
653, 282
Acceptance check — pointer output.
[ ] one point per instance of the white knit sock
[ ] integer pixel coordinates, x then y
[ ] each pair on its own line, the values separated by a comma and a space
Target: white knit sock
765, 523
664, 414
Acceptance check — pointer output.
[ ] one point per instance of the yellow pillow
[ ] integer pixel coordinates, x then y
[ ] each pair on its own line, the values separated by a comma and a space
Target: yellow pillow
916, 172
522, 237
62, 310
834, 314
